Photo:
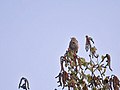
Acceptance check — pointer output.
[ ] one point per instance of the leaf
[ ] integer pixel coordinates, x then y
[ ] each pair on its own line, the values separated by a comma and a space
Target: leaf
69, 68
79, 62
102, 57
94, 88
89, 78
64, 77
72, 72
93, 50
80, 81
103, 74
72, 64
116, 83
66, 64
83, 83
72, 82
70, 54
91, 69
106, 80
104, 71
76, 88
84, 86
108, 61
99, 68
83, 62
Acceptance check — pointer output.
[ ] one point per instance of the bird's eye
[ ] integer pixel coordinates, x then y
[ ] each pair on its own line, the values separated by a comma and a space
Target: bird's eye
73, 42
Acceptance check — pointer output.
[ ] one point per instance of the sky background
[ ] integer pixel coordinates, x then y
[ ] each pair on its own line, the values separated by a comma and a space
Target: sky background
35, 33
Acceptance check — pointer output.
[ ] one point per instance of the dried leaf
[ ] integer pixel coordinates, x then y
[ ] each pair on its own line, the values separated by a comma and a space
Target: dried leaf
116, 83
102, 57
88, 43
64, 78
89, 78
108, 61
99, 68
83, 62
93, 50
94, 88
104, 71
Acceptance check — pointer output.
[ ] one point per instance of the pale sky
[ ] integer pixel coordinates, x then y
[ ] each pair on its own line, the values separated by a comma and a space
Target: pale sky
35, 33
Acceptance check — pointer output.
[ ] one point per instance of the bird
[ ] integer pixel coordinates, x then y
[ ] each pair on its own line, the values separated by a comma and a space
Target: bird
73, 45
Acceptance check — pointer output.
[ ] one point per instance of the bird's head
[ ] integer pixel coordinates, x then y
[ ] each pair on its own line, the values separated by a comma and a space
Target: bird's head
73, 38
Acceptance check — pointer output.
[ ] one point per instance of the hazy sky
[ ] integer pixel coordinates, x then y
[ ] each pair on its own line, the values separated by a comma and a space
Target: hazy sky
35, 33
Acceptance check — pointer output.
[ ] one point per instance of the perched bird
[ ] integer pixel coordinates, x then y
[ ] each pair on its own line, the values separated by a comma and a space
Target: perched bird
73, 45
24, 85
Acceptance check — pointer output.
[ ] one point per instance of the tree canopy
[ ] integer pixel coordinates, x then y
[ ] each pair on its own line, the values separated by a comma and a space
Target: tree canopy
77, 73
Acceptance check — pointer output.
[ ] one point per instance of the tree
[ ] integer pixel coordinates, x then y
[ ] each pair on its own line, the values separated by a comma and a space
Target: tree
77, 73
